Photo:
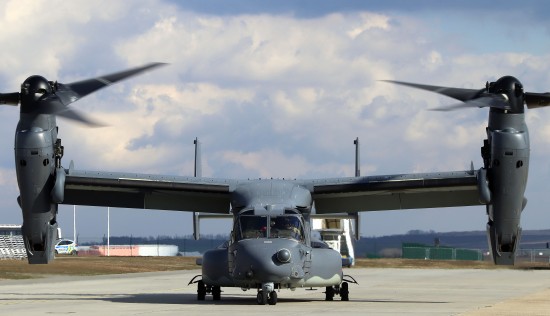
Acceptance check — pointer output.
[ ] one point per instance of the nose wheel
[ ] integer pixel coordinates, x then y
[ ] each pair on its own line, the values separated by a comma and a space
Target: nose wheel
267, 294
264, 297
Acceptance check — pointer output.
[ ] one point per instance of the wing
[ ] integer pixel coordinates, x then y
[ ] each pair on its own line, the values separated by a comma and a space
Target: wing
147, 191
394, 192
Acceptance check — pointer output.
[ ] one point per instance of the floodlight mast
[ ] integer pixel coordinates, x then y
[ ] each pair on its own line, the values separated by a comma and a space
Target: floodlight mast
357, 163
197, 173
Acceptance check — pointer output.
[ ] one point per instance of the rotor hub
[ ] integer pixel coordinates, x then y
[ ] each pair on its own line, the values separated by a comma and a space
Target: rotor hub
512, 90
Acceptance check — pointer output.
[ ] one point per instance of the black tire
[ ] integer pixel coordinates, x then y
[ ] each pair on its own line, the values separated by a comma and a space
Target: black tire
344, 291
272, 298
329, 293
261, 298
216, 293
201, 291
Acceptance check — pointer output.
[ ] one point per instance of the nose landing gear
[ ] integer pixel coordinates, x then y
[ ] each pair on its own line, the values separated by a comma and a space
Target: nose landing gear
267, 294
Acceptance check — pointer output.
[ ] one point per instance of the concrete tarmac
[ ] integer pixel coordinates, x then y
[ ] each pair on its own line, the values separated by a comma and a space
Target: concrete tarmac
379, 292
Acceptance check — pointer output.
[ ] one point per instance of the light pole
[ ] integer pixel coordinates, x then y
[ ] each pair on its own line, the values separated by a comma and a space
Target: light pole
108, 231
74, 223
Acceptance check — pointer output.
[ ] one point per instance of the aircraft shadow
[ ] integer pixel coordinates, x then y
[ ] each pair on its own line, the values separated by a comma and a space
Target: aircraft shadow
245, 299
185, 298
179, 298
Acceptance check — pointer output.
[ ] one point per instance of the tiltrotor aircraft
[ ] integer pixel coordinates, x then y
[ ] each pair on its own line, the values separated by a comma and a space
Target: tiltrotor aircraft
270, 246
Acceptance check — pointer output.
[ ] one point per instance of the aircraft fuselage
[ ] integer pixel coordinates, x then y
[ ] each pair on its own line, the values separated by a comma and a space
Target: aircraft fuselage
270, 246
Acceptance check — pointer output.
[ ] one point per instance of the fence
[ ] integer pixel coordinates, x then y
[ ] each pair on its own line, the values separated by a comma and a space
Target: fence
418, 251
533, 255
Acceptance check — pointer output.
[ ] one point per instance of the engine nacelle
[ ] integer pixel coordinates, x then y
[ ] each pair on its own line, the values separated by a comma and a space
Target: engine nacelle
507, 172
35, 167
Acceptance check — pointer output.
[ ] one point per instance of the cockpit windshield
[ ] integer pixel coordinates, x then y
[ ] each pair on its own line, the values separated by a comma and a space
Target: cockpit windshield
252, 226
284, 226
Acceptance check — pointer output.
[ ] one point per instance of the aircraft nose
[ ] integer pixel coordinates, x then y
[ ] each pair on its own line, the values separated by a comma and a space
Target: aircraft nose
267, 262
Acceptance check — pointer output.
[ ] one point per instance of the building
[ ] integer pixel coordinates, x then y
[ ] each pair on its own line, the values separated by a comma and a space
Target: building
11, 242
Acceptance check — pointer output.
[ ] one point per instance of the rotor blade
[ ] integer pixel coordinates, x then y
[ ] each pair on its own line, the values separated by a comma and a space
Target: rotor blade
9, 98
493, 101
52, 105
537, 100
76, 116
69, 93
455, 93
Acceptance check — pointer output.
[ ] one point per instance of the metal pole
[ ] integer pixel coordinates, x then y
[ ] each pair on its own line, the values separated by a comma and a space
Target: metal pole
198, 164
357, 167
108, 231
74, 223
198, 174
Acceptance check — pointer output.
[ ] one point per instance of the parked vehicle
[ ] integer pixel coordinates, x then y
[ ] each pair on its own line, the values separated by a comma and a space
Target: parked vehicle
66, 246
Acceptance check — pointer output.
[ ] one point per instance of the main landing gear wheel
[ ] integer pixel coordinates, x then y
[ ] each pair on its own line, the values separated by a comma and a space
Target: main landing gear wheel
216, 293
201, 291
341, 290
329, 293
344, 292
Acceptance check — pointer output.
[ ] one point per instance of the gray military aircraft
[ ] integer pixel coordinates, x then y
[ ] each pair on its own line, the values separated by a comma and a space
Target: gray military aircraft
270, 246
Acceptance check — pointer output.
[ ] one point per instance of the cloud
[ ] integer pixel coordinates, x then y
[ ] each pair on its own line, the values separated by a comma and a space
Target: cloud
269, 93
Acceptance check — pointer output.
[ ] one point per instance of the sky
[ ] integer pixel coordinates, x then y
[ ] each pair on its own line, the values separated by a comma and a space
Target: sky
276, 89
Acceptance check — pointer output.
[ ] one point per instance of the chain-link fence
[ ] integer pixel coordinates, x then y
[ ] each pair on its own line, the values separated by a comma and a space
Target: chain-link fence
441, 253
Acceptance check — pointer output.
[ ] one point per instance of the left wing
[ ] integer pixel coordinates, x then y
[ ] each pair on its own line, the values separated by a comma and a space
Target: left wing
394, 192
144, 191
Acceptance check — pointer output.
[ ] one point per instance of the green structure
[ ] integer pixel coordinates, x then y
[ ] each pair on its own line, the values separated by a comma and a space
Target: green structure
421, 251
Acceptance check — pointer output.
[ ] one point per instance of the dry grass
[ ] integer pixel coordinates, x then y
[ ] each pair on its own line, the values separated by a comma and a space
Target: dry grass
68, 265
423, 264
443, 264
65, 265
